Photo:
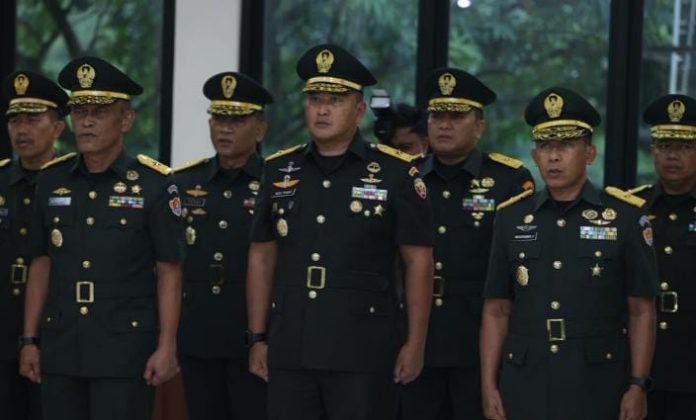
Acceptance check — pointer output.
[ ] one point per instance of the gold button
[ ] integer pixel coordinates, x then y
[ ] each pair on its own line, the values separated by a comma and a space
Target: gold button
20, 261
23, 231
367, 213
49, 319
316, 257
90, 220
273, 305
16, 291
561, 222
673, 216
26, 201
438, 265
441, 229
664, 285
312, 294
92, 194
555, 305
668, 250
56, 219
326, 183
86, 264
189, 219
281, 211
123, 221
216, 290
446, 194
510, 356
598, 253
624, 331
554, 348
557, 265
227, 194
372, 309
217, 256
521, 255
222, 224
84, 310
439, 302
477, 223
134, 324
663, 325
321, 219
609, 356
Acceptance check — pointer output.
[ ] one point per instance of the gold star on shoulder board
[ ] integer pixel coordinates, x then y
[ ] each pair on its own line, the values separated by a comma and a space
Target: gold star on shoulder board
596, 270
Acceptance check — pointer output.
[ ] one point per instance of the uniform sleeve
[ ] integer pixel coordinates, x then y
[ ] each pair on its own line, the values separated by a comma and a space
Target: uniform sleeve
38, 239
262, 226
165, 225
638, 258
414, 221
498, 282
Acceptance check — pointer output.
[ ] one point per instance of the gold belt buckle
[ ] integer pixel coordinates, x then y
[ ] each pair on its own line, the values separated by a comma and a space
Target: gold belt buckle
78, 292
438, 286
18, 274
310, 276
561, 329
664, 307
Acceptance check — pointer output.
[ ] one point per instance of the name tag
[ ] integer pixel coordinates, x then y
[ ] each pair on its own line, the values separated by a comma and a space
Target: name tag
126, 202
59, 201
283, 193
194, 202
369, 193
479, 203
602, 233
523, 237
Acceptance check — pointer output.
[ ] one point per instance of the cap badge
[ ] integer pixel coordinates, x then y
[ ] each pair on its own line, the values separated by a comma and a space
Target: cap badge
553, 105
229, 83
676, 110
447, 82
325, 59
85, 75
21, 83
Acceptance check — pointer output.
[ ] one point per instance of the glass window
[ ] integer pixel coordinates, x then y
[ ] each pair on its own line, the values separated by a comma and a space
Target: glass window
669, 35
127, 33
381, 33
519, 48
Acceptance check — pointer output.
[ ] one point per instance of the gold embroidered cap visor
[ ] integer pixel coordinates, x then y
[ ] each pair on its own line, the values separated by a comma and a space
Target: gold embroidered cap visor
95, 97
331, 85
452, 105
673, 132
561, 130
29, 105
230, 108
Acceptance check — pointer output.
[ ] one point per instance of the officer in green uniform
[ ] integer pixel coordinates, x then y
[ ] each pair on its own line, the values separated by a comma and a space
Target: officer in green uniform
35, 109
569, 267
671, 204
331, 216
218, 197
104, 289
465, 184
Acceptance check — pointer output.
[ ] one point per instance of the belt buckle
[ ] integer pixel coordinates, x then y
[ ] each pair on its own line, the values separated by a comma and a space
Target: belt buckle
438, 286
664, 307
552, 330
217, 269
310, 276
18, 274
78, 292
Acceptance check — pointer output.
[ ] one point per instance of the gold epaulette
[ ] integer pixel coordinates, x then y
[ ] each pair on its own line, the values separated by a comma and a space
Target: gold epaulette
505, 160
5, 162
190, 164
394, 152
512, 200
625, 196
284, 152
641, 188
59, 159
154, 165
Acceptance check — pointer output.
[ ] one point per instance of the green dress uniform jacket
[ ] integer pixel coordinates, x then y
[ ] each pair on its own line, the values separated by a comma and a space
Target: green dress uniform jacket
464, 207
334, 305
569, 268
103, 234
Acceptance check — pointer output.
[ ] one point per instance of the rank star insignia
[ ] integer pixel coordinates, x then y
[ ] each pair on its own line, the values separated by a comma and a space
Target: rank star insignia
379, 210
254, 186
609, 214
136, 189
487, 182
132, 175
596, 270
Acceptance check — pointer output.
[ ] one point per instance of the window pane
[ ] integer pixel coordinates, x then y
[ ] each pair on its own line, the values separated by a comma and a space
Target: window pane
668, 64
519, 48
126, 33
381, 33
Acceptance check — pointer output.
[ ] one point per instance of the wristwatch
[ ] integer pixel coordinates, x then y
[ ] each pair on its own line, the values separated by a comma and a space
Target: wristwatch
646, 384
251, 338
26, 340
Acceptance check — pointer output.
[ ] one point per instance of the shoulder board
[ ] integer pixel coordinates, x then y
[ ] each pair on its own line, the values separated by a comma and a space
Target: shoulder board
641, 188
512, 200
154, 165
625, 196
5, 162
505, 160
394, 152
284, 152
59, 159
189, 164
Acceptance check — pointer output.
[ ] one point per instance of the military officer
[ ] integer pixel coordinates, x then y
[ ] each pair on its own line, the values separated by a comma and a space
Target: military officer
330, 218
219, 194
465, 184
104, 289
35, 110
671, 204
568, 267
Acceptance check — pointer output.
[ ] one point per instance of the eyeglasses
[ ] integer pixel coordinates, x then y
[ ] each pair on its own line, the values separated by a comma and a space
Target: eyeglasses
674, 146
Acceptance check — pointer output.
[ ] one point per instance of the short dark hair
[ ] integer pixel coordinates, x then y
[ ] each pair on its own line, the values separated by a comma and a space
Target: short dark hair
412, 117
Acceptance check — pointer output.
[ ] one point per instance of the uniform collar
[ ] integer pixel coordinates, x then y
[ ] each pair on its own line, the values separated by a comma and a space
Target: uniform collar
589, 193
358, 147
656, 191
120, 166
252, 167
472, 164
18, 173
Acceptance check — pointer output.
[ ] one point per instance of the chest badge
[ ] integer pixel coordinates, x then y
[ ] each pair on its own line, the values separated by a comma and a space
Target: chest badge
373, 167
132, 175
282, 227
60, 191
487, 182
190, 235
120, 187
522, 275
56, 238
290, 168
